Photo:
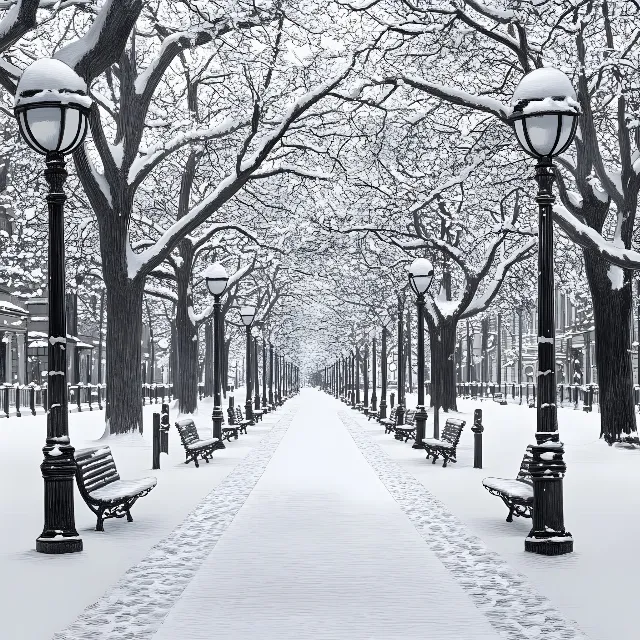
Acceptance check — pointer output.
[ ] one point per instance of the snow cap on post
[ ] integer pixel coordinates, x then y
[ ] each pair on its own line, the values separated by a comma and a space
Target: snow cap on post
545, 111
51, 107
216, 277
420, 275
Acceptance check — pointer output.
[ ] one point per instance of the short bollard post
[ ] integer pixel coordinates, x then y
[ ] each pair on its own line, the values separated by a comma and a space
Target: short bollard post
477, 438
164, 429
6, 401
156, 441
32, 400
392, 399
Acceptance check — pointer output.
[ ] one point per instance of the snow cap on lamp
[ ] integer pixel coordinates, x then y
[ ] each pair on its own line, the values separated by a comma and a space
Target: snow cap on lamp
420, 275
545, 112
52, 106
216, 277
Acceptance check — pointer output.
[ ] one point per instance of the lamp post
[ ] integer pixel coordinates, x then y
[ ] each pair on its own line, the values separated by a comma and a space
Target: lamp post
374, 398
544, 116
264, 375
357, 376
382, 413
247, 314
365, 362
51, 107
271, 407
400, 376
216, 278
256, 400
420, 278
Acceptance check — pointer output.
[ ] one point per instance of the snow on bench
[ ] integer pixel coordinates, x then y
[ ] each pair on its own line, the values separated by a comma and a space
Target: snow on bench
193, 445
101, 487
448, 444
516, 494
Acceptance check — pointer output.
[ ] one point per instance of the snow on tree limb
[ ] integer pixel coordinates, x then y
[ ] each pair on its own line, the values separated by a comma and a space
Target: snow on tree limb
145, 261
105, 39
590, 239
144, 164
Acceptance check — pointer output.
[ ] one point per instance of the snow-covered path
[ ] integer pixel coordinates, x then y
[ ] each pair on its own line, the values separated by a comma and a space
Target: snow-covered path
321, 550
319, 534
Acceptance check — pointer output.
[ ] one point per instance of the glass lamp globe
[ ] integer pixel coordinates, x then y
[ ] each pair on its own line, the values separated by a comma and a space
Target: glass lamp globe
545, 113
420, 275
52, 107
216, 277
247, 314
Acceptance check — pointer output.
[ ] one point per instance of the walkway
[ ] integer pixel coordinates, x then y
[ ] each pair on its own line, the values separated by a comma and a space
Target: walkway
309, 544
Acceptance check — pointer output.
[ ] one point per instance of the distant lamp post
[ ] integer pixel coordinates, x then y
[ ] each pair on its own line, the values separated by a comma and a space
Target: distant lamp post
216, 278
51, 107
420, 278
247, 314
545, 114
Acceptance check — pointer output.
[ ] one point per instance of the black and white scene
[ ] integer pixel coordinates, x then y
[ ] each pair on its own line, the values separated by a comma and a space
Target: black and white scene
319, 319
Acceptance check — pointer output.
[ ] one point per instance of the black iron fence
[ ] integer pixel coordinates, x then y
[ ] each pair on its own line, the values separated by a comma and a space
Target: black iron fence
18, 400
584, 397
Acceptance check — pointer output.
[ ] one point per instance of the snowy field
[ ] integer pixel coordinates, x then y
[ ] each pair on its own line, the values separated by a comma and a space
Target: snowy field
58, 588
593, 585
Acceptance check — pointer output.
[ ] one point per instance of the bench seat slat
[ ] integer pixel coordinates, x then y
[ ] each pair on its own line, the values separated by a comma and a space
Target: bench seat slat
116, 491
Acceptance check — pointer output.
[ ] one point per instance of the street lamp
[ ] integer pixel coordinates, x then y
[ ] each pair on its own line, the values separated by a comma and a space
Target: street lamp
51, 107
216, 278
545, 114
420, 278
247, 314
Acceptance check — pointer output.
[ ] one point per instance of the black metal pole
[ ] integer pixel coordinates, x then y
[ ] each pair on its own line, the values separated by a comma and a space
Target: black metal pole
264, 374
353, 380
59, 534
382, 413
216, 414
270, 376
421, 413
357, 371
256, 404
400, 407
499, 352
548, 535
366, 378
374, 398
468, 354
248, 406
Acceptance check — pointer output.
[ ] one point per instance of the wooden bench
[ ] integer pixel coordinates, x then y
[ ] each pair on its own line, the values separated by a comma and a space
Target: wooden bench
231, 428
241, 422
499, 398
408, 429
193, 445
516, 494
445, 446
390, 422
101, 487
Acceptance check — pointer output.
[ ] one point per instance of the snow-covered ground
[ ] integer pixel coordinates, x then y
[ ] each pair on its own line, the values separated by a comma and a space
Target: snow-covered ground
593, 585
40, 594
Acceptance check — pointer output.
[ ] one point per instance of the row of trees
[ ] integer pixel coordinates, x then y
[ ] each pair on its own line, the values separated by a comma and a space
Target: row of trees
315, 149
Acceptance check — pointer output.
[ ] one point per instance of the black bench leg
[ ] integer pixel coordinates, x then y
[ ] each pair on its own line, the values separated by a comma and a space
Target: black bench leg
510, 516
206, 459
100, 523
129, 518
195, 459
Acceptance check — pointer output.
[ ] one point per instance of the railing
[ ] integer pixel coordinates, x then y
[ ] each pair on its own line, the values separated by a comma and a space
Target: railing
567, 395
18, 400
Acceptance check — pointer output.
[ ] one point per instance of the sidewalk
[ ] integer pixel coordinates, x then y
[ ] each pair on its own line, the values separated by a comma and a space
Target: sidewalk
303, 540
321, 550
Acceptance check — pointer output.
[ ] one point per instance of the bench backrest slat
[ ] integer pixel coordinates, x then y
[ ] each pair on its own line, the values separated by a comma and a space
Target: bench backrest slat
96, 468
452, 430
525, 474
410, 417
188, 432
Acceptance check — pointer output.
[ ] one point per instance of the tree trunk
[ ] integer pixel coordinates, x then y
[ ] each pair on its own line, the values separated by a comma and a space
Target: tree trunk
173, 359
123, 412
612, 310
443, 363
208, 358
186, 380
